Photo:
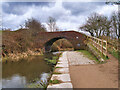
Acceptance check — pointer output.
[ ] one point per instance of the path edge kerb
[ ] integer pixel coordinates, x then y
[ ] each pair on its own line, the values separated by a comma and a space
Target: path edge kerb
64, 76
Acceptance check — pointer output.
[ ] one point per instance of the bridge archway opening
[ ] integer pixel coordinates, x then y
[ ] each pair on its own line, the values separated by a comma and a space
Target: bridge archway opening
54, 44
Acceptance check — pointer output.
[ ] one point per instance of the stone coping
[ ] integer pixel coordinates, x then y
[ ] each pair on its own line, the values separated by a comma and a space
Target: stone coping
64, 75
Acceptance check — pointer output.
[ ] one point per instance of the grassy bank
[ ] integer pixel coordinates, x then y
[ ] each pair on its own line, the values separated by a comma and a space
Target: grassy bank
115, 53
98, 52
18, 56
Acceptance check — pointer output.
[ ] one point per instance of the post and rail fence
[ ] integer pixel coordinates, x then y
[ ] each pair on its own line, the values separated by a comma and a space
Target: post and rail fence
99, 44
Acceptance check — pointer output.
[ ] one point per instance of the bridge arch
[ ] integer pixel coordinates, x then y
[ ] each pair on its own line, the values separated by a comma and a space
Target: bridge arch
46, 39
49, 43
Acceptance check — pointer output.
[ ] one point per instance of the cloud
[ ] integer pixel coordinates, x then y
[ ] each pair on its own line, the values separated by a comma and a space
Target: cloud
78, 8
69, 15
107, 10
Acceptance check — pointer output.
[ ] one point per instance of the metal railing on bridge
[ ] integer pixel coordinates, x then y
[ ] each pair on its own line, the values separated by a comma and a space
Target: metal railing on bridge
99, 44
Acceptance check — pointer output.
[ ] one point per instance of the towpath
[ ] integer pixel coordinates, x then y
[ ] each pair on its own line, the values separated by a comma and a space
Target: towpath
85, 74
78, 71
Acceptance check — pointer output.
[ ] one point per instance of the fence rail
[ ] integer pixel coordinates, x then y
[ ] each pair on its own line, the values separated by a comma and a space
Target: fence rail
100, 44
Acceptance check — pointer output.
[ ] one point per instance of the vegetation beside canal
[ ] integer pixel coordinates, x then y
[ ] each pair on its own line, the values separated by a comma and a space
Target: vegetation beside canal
43, 84
19, 56
55, 81
52, 61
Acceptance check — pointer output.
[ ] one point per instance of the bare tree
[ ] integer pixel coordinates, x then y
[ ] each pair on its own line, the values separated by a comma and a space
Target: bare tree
115, 23
34, 26
87, 28
113, 2
107, 27
97, 25
52, 24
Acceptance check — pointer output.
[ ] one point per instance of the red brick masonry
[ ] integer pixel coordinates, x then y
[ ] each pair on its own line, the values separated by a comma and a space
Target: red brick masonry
48, 38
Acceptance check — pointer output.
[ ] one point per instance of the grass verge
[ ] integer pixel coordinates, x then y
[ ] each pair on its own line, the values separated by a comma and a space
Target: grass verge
56, 73
113, 52
54, 81
52, 61
58, 67
98, 52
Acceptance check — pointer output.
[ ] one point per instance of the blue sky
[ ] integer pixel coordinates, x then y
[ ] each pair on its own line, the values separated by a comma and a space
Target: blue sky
68, 15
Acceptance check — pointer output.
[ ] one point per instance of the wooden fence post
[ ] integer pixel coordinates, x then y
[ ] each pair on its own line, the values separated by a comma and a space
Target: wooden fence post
102, 46
98, 44
106, 48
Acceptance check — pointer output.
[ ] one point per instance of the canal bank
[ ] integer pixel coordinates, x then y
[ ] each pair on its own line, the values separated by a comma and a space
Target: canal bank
61, 77
17, 56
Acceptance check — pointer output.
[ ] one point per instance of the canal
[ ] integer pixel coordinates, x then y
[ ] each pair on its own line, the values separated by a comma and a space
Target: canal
26, 72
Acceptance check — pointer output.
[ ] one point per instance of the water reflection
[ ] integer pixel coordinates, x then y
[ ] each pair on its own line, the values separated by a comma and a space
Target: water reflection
14, 81
44, 77
0, 84
18, 74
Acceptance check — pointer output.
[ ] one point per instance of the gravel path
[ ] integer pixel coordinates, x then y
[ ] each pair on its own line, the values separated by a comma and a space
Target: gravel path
77, 58
85, 74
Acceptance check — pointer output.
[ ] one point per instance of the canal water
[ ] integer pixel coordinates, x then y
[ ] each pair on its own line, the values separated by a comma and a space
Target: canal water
24, 72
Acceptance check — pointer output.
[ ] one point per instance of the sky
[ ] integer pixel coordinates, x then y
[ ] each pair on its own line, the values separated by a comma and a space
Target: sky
68, 15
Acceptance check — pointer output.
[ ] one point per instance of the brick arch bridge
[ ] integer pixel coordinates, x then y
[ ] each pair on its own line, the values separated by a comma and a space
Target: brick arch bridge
46, 39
